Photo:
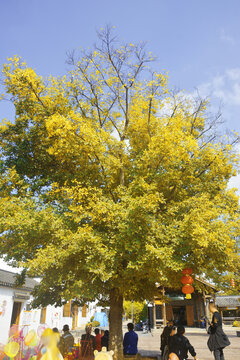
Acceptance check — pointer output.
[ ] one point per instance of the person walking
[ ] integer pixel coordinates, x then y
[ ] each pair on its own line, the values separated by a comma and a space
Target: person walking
130, 341
164, 336
172, 331
180, 345
218, 340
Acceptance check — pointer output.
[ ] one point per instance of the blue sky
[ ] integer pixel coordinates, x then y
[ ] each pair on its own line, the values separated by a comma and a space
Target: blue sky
197, 42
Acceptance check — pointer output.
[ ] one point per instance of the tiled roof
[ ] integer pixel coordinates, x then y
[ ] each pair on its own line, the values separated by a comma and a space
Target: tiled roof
8, 279
228, 301
205, 282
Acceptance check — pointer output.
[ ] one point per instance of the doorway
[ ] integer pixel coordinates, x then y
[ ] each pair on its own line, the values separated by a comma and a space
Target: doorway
179, 315
16, 313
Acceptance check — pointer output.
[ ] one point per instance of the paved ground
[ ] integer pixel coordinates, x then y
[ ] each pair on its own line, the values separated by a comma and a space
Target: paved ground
150, 343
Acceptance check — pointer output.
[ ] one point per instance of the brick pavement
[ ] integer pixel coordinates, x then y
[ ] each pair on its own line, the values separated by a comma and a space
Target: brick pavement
150, 343
198, 337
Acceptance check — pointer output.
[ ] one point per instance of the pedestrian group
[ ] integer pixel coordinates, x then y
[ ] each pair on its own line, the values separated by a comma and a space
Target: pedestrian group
175, 346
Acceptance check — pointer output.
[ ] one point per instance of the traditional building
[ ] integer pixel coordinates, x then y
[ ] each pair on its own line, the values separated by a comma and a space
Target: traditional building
188, 312
229, 307
14, 302
15, 308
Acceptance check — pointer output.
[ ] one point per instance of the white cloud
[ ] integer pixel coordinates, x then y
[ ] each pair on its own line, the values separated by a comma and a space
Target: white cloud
234, 182
225, 87
226, 38
5, 266
233, 74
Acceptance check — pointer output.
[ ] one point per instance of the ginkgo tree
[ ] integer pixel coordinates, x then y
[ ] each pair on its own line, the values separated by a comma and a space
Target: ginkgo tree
109, 184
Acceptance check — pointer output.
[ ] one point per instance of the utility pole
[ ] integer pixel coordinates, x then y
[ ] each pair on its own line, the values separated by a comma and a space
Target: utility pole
164, 308
132, 311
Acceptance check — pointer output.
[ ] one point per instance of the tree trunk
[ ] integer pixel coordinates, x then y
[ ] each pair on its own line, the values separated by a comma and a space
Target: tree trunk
115, 324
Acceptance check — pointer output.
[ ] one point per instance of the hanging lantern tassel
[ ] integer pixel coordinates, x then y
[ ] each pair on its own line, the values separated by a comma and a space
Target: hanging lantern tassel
187, 280
188, 290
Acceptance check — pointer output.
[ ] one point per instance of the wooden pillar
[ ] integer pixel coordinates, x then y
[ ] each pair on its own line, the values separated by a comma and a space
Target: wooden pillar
198, 311
201, 304
154, 316
205, 306
221, 313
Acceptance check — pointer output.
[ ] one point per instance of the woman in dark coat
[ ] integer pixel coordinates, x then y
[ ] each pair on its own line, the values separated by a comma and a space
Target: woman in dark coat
218, 340
165, 334
172, 331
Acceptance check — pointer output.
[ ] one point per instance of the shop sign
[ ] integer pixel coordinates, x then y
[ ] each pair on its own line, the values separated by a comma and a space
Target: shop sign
158, 302
21, 296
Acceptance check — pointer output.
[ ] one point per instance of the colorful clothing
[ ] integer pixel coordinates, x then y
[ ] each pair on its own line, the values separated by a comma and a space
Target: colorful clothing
98, 338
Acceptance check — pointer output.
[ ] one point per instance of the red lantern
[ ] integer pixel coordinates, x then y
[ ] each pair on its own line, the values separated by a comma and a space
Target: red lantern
187, 271
187, 289
186, 279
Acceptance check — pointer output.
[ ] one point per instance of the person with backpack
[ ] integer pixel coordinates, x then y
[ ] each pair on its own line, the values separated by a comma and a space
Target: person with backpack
180, 345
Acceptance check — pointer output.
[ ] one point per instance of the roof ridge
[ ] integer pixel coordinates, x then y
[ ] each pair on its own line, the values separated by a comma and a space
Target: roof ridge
11, 272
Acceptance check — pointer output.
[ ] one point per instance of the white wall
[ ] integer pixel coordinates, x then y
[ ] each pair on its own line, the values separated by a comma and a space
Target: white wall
6, 306
31, 319
54, 317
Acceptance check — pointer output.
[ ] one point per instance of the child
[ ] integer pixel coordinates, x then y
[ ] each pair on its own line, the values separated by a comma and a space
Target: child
98, 339
180, 345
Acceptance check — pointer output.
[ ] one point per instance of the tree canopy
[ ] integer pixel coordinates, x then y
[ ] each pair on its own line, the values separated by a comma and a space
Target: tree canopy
109, 183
